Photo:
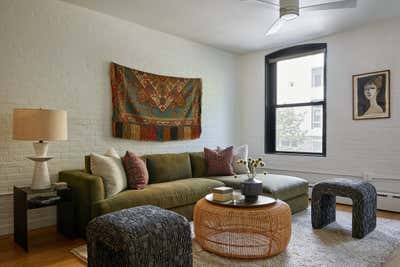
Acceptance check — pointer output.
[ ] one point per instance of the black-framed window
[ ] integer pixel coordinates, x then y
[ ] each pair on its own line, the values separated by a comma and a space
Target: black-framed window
295, 89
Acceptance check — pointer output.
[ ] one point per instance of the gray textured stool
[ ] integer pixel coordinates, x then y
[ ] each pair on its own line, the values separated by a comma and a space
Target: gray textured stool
141, 236
323, 204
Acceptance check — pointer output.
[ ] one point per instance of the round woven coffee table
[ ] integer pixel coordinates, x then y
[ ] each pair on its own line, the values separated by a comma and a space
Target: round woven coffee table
247, 232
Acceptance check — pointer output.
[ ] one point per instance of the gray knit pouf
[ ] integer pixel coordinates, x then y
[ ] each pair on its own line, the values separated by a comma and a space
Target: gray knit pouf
140, 236
323, 204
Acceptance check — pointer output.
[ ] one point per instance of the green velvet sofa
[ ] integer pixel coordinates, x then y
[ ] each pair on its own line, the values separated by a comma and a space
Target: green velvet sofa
176, 182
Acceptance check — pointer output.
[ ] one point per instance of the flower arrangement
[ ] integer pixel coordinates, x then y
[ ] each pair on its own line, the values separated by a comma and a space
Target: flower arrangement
252, 164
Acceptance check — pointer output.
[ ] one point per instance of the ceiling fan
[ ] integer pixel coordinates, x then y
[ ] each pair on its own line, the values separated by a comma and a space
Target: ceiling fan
290, 10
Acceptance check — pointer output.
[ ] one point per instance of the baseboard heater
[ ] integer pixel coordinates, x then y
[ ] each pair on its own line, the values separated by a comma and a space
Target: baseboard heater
386, 200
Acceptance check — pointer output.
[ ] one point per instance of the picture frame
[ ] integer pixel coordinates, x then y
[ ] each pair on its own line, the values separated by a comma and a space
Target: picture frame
371, 95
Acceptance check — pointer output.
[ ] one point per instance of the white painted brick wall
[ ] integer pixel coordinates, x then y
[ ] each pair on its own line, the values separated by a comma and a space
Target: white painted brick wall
353, 147
56, 55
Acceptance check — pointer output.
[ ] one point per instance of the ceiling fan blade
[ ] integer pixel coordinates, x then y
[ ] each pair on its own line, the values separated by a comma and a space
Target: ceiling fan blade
333, 5
275, 27
271, 4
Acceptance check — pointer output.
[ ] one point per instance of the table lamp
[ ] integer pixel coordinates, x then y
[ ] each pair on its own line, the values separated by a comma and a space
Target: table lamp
40, 125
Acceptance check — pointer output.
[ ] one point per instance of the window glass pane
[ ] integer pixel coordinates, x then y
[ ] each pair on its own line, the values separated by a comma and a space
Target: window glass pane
295, 131
316, 119
316, 77
300, 79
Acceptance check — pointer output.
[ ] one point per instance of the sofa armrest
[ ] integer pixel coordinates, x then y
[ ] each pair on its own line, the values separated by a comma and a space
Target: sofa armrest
87, 189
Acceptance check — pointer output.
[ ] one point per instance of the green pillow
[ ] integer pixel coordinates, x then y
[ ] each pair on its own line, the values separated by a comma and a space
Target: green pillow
87, 164
199, 164
168, 167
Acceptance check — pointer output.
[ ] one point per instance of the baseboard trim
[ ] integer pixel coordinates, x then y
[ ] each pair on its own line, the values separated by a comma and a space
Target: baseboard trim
390, 179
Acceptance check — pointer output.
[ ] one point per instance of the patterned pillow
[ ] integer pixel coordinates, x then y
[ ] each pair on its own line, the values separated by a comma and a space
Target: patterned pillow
136, 171
219, 163
239, 152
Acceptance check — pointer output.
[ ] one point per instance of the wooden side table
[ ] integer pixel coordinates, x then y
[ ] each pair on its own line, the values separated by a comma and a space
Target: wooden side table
23, 203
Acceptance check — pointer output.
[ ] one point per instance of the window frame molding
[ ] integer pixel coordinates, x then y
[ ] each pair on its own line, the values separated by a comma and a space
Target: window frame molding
271, 97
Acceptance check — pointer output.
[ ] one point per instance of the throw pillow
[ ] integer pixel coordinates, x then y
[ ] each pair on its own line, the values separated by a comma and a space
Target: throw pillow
111, 152
240, 152
136, 171
219, 163
199, 164
109, 167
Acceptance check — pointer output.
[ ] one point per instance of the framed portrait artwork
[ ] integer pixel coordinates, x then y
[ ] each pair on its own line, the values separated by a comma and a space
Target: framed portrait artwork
371, 95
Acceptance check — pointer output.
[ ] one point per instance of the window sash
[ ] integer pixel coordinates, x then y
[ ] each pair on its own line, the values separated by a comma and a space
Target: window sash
302, 104
322, 122
271, 96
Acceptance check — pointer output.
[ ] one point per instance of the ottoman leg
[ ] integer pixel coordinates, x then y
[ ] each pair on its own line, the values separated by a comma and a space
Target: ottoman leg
364, 216
323, 210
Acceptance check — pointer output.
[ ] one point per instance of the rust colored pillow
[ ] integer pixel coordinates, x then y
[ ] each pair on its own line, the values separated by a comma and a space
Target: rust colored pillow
136, 171
219, 162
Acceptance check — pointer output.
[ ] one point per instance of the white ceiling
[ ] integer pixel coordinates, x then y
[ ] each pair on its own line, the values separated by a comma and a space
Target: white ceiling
240, 26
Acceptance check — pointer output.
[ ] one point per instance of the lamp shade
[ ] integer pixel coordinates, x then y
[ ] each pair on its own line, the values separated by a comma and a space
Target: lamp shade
40, 124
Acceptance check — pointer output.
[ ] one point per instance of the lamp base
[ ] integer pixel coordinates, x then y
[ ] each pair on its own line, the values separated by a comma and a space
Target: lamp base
41, 177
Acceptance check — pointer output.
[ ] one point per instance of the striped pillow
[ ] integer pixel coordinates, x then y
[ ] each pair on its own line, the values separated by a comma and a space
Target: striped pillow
219, 163
136, 171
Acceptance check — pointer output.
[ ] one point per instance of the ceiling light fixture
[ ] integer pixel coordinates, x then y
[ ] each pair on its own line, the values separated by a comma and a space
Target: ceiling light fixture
289, 9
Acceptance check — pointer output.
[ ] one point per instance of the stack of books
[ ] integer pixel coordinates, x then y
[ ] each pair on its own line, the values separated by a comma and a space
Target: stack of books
44, 200
60, 185
222, 193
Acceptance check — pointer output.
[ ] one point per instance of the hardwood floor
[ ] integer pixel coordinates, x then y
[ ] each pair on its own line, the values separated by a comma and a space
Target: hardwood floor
46, 248
380, 213
49, 248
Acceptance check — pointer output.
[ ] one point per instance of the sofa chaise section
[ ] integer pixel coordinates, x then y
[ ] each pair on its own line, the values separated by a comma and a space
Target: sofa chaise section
292, 190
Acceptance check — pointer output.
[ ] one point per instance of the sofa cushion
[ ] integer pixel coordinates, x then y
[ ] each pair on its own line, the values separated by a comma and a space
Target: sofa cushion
298, 203
239, 152
168, 167
279, 186
109, 167
87, 163
199, 164
219, 162
165, 195
136, 171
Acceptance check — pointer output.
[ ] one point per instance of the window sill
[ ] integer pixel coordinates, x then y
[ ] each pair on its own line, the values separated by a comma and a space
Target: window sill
319, 155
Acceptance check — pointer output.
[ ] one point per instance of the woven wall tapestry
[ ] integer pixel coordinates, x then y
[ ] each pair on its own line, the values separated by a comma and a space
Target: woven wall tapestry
152, 107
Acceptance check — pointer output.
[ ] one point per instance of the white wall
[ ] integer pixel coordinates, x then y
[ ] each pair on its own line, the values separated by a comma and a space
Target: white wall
353, 147
56, 55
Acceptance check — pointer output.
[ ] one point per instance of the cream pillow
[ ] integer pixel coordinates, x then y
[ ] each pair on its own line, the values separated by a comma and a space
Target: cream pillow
109, 167
240, 152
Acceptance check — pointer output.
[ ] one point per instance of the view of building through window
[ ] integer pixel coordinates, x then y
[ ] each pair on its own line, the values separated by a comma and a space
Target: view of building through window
300, 80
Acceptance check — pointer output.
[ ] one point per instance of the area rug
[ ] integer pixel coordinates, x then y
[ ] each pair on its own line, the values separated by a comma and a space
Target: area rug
330, 246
